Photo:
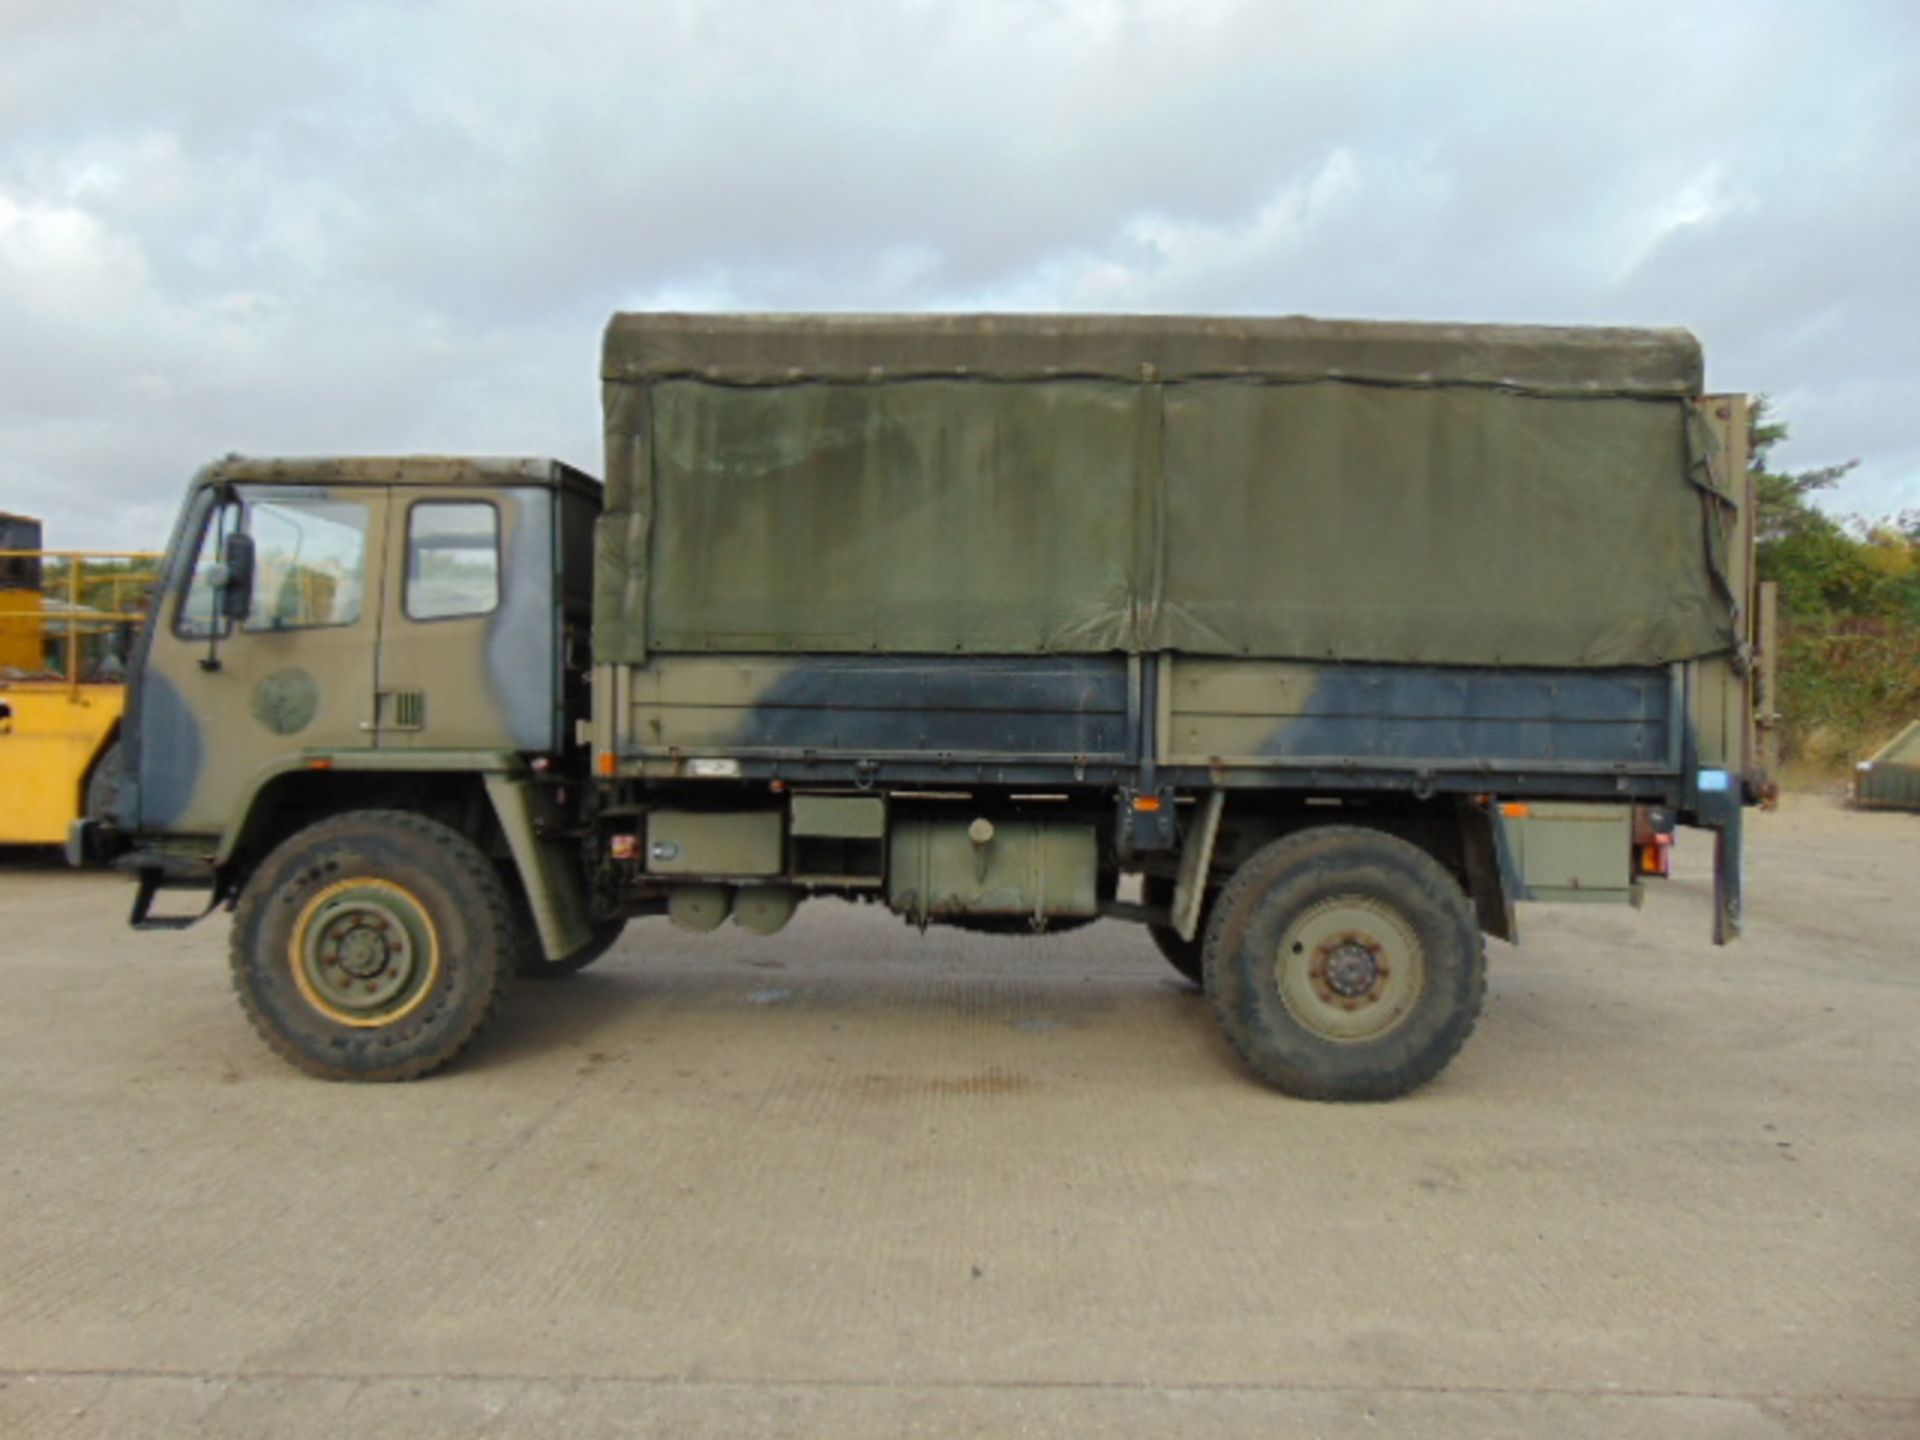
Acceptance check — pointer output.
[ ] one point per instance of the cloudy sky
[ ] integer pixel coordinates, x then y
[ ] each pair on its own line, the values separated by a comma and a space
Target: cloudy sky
308, 228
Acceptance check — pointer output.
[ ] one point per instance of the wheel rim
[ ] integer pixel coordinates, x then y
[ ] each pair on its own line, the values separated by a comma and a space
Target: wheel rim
1350, 968
365, 952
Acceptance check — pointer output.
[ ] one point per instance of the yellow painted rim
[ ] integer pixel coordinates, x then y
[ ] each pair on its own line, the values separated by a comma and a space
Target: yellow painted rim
297, 947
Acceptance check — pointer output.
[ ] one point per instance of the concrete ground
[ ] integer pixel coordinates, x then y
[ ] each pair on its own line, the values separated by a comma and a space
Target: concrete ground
852, 1181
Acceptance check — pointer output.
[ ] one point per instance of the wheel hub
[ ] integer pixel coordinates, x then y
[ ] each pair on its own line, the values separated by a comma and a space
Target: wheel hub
364, 953
1350, 967
1350, 970
362, 948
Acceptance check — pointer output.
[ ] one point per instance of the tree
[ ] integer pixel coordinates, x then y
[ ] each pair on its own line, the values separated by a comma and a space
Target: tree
1822, 570
1850, 602
1785, 501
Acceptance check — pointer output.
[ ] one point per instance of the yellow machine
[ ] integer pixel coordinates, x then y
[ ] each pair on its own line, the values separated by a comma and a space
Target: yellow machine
68, 619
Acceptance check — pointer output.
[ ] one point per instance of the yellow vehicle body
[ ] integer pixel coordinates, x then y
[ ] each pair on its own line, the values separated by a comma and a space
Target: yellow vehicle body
65, 622
50, 742
21, 648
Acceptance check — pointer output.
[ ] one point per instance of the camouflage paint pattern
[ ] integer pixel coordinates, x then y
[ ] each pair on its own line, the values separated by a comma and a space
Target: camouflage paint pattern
870, 707
1265, 714
1244, 721
1267, 489
212, 718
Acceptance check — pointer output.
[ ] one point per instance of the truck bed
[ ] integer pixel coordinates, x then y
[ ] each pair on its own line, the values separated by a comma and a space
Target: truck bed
1105, 720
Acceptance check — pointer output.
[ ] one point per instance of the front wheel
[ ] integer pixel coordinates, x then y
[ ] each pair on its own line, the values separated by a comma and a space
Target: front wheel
1345, 964
372, 946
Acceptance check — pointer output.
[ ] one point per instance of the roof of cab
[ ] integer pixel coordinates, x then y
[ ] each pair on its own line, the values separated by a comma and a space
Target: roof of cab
398, 470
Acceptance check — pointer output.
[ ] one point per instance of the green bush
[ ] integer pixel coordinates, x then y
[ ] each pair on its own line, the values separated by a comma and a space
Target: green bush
1849, 663
1846, 686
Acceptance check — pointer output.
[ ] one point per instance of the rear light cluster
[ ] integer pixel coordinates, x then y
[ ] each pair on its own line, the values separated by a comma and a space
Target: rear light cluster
1656, 857
1652, 840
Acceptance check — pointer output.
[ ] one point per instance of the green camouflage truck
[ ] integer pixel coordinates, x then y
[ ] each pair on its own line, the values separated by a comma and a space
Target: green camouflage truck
1310, 646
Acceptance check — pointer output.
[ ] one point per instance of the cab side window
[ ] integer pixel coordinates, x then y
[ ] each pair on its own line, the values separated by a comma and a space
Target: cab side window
453, 559
309, 564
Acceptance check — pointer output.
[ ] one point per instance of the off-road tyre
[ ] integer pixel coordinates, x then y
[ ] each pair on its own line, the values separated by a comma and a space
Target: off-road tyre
1186, 956
533, 963
373, 887
1348, 906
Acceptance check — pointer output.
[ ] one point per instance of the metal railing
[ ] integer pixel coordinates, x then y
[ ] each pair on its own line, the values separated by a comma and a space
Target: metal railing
61, 610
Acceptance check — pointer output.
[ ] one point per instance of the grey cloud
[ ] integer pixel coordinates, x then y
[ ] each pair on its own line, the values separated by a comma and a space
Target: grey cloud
377, 227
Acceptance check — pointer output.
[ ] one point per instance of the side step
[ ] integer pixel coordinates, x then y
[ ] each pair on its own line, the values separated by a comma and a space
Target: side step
156, 872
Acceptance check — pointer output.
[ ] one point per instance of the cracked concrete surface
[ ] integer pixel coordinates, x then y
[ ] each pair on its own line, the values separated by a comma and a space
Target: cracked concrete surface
852, 1181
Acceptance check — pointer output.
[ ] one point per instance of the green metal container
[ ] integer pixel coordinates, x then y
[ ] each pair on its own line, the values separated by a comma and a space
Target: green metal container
1890, 778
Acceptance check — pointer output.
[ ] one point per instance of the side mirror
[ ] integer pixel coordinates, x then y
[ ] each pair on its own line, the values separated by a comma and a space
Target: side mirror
236, 591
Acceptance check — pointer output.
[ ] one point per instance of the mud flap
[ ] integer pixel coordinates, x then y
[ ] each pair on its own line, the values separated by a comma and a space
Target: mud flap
1729, 856
554, 891
1493, 872
1196, 864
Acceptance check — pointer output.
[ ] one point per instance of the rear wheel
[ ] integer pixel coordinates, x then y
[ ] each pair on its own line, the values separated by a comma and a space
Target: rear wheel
1345, 964
372, 946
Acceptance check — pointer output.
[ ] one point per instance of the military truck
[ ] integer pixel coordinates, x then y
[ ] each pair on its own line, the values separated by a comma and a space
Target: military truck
1310, 646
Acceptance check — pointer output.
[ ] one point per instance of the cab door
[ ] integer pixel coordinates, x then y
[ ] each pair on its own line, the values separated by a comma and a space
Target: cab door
219, 700
469, 638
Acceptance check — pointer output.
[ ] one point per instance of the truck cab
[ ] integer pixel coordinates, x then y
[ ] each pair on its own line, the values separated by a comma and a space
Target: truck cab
330, 632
